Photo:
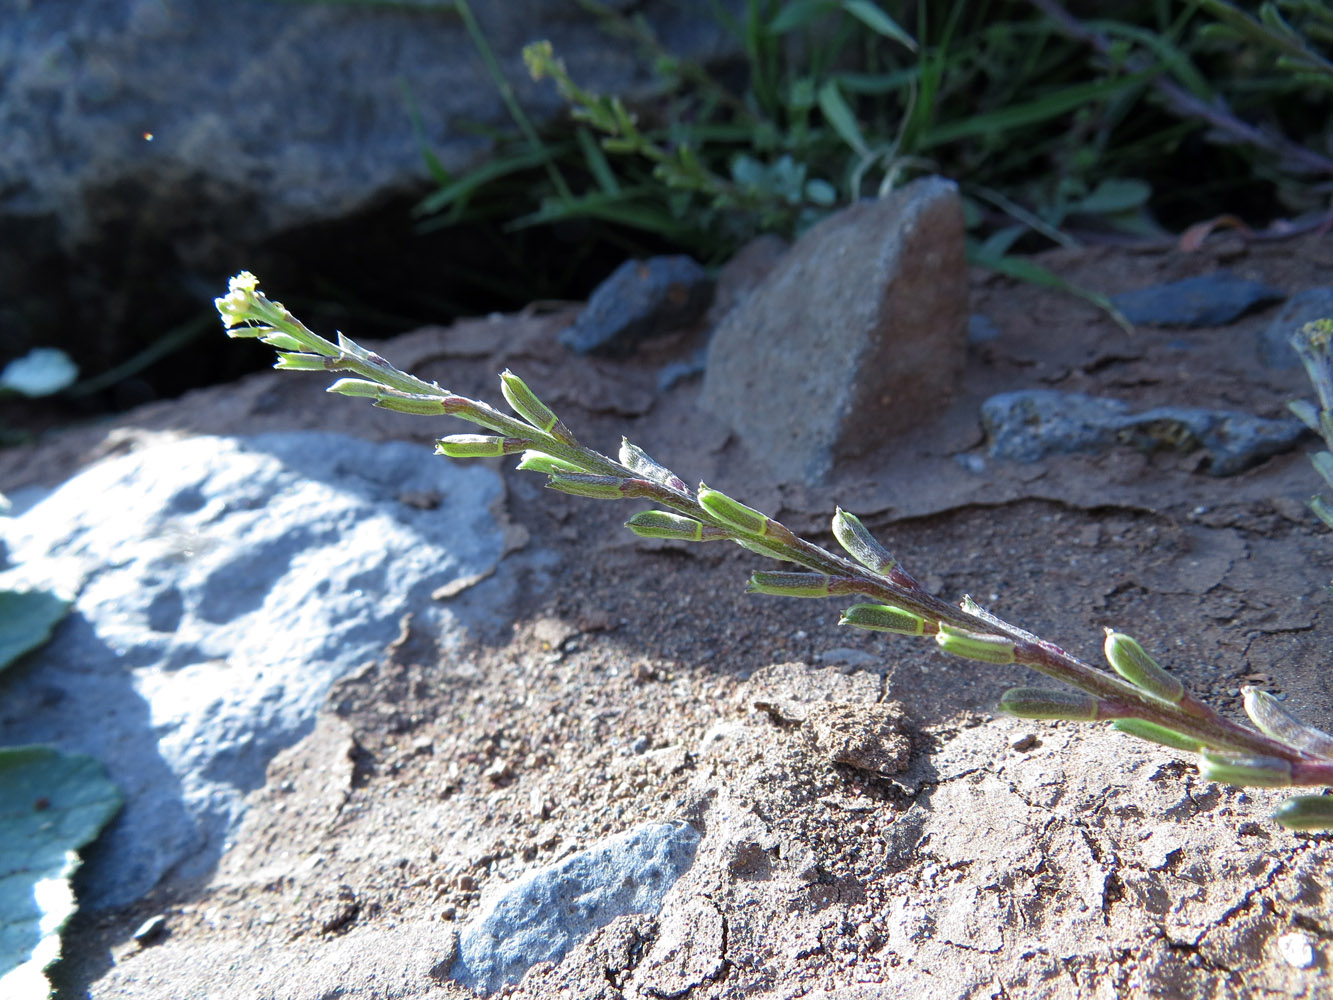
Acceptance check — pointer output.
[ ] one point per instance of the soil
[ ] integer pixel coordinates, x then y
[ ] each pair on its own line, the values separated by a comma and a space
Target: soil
871, 826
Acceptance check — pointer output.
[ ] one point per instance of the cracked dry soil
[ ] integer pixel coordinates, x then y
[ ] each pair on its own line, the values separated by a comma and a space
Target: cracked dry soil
871, 827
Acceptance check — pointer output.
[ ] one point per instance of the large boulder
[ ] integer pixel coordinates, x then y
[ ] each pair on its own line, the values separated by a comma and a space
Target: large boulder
223, 584
150, 147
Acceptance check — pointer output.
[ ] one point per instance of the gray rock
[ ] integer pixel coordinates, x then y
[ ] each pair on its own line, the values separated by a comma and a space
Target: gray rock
1027, 426
641, 299
539, 917
141, 135
223, 585
1275, 349
1208, 300
858, 331
678, 371
980, 330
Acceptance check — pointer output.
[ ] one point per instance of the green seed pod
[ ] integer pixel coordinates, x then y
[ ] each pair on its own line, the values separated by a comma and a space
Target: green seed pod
282, 341
585, 485
539, 461
789, 584
732, 513
1273, 720
1153, 733
755, 546
1044, 703
975, 645
1134, 665
301, 363
1235, 769
1307, 813
357, 387
883, 618
478, 446
664, 524
525, 402
860, 544
407, 402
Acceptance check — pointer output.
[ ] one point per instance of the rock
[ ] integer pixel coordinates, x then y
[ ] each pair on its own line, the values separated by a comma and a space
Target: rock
678, 371
980, 330
860, 330
1275, 349
641, 299
1027, 426
539, 917
223, 585
744, 272
1209, 300
148, 144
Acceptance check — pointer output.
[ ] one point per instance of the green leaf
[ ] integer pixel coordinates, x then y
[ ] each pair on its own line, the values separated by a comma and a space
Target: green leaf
798, 14
876, 20
1112, 196
597, 164
839, 115
1053, 105
1306, 413
1323, 463
51, 804
26, 620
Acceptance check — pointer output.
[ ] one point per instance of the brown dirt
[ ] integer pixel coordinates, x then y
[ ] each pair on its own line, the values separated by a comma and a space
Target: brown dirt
638, 682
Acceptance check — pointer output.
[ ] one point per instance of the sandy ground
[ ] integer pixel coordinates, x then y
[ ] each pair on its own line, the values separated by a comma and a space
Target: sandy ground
950, 853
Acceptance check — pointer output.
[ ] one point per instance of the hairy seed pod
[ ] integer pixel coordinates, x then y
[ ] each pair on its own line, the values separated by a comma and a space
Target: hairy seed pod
479, 446
883, 618
1274, 721
664, 524
539, 461
860, 544
586, 485
732, 513
525, 402
792, 584
1236, 769
1140, 669
301, 363
1153, 733
1046, 703
975, 645
1307, 813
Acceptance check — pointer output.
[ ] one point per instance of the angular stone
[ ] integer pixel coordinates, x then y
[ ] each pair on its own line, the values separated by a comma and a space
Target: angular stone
539, 917
858, 332
641, 299
1028, 425
1208, 300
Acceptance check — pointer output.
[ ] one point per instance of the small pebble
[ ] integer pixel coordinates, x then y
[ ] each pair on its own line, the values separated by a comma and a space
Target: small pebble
1296, 950
151, 930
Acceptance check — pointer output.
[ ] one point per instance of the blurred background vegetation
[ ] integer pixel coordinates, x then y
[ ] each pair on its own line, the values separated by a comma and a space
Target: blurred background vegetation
1091, 122
1064, 123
